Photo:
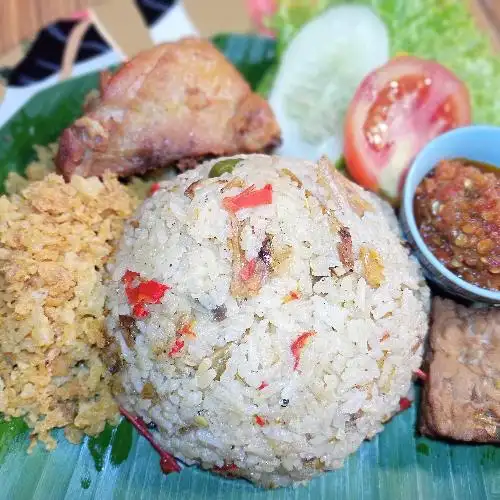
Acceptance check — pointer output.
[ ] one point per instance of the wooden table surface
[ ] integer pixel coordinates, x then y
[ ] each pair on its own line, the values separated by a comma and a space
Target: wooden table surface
21, 19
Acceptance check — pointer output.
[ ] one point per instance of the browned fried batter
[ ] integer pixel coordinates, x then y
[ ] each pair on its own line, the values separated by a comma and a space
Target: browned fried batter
175, 103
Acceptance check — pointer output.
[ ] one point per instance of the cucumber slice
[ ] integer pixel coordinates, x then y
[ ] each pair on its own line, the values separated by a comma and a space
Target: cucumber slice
318, 76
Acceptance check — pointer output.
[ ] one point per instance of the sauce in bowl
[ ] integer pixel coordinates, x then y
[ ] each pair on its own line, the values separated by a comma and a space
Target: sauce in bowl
457, 211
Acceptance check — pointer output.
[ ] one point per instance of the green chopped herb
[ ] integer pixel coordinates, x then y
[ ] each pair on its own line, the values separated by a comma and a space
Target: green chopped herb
340, 164
200, 421
223, 167
423, 449
85, 482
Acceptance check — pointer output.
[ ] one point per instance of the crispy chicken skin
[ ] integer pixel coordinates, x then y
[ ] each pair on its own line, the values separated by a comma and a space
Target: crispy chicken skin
172, 104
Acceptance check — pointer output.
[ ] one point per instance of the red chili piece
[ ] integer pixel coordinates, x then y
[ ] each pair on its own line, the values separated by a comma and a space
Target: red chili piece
248, 269
249, 198
168, 463
421, 375
260, 421
140, 311
263, 385
293, 295
186, 329
131, 293
176, 348
129, 277
225, 468
404, 404
146, 292
298, 345
154, 187
151, 292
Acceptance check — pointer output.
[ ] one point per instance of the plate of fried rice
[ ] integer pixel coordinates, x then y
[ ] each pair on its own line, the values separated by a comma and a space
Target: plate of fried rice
193, 315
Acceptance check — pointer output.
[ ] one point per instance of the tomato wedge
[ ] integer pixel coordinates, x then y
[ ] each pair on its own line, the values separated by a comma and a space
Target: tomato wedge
260, 11
396, 111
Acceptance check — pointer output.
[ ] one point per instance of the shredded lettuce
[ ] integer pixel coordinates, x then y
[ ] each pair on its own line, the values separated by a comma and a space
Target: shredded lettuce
443, 30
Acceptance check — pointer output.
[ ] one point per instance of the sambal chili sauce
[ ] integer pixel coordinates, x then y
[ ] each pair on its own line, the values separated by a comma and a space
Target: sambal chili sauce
457, 210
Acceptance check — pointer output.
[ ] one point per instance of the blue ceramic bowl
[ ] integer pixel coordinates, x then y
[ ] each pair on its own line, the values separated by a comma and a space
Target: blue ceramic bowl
477, 142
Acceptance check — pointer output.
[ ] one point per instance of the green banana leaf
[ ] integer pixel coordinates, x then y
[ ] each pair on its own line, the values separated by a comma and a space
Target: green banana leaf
119, 464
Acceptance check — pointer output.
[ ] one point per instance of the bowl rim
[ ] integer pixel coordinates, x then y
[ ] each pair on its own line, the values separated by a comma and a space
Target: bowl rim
407, 207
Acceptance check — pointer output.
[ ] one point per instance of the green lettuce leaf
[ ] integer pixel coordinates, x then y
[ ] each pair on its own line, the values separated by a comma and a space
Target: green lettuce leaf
443, 30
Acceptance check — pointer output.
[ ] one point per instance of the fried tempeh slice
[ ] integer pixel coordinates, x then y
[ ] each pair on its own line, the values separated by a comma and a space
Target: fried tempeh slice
461, 399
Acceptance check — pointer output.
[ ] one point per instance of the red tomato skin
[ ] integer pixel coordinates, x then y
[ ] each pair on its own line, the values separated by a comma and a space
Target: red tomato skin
260, 11
364, 163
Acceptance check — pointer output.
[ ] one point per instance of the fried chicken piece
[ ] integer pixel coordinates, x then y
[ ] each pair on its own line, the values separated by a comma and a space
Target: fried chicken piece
175, 103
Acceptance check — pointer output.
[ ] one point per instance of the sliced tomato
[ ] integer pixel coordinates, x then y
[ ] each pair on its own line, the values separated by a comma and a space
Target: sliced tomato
396, 111
260, 11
